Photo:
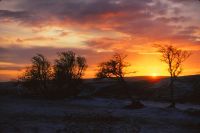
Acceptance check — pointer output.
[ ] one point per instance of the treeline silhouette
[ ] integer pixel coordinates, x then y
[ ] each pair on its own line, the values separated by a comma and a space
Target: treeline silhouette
64, 77
59, 80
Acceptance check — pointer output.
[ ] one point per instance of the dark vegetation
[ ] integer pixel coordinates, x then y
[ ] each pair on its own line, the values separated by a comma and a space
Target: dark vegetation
36, 78
64, 79
8, 88
194, 95
147, 89
137, 89
174, 58
113, 68
140, 88
61, 80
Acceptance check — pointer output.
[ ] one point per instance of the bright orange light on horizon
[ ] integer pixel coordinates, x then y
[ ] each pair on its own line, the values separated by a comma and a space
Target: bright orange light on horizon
154, 75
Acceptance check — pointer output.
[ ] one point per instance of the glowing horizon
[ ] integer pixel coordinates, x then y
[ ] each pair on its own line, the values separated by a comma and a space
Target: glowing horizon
96, 30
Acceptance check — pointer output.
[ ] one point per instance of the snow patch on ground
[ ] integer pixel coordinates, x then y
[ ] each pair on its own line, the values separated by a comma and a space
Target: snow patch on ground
93, 115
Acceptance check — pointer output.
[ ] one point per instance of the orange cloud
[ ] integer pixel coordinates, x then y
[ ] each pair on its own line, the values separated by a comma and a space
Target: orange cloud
96, 29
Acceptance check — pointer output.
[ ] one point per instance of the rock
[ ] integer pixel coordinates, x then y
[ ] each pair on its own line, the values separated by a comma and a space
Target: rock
136, 104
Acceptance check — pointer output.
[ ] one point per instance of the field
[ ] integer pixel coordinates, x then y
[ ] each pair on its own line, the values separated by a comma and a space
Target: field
94, 114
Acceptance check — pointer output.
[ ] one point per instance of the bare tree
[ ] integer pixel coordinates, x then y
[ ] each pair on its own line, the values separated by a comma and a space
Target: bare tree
69, 70
174, 58
113, 68
37, 75
81, 67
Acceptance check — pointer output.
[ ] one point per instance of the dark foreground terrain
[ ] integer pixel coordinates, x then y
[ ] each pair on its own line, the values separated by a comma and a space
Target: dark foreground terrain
100, 109
19, 115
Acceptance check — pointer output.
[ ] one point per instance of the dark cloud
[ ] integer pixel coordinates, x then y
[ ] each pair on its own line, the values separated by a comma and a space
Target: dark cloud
78, 11
180, 1
13, 14
148, 18
19, 57
18, 68
110, 44
102, 43
22, 55
21, 16
187, 35
189, 30
172, 19
134, 17
2, 50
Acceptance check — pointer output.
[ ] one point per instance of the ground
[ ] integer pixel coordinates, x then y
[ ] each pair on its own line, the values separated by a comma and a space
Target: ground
19, 115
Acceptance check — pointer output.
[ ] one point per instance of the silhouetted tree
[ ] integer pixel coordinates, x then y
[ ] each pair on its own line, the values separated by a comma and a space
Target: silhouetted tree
37, 75
174, 58
113, 68
69, 69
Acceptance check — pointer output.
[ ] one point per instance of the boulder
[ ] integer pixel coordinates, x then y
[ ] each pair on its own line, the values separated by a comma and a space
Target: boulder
135, 104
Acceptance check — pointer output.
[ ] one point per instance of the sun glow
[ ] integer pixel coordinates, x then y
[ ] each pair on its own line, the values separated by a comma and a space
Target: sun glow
154, 75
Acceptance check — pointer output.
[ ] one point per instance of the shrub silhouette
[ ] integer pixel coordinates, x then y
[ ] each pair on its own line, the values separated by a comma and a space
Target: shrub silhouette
68, 71
113, 68
61, 80
36, 76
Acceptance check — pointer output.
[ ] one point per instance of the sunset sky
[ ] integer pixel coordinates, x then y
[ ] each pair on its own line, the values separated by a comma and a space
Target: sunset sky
96, 29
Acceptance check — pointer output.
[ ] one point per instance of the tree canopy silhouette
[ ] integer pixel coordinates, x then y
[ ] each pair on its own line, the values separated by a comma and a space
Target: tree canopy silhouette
69, 69
37, 75
69, 66
174, 58
113, 68
58, 81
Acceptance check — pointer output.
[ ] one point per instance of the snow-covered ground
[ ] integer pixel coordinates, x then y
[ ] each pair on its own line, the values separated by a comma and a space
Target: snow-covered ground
93, 115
